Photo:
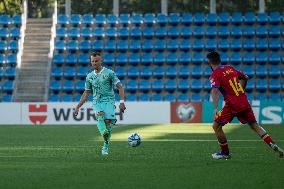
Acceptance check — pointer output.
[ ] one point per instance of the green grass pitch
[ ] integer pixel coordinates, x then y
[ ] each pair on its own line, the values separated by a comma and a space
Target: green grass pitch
171, 156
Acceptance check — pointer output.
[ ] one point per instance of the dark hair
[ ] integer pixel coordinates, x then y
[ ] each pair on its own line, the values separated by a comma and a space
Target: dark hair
214, 57
95, 53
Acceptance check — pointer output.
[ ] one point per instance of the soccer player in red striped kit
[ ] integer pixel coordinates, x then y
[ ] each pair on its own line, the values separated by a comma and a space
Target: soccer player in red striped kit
231, 83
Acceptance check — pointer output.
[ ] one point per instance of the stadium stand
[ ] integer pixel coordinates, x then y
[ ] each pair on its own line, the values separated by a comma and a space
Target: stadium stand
162, 57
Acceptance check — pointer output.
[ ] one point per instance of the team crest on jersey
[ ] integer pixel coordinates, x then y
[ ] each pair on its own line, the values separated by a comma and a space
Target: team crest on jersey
212, 82
104, 76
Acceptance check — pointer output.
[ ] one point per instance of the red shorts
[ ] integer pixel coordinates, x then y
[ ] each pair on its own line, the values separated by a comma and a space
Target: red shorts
226, 116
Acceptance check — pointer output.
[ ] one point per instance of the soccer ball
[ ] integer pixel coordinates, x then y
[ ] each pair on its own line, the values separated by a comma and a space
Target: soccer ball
134, 140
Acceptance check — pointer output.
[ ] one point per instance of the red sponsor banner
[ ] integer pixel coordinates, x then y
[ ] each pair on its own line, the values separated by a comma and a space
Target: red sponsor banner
186, 112
41, 110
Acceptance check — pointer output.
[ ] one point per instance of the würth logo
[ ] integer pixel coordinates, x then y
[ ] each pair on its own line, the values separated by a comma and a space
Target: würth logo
38, 112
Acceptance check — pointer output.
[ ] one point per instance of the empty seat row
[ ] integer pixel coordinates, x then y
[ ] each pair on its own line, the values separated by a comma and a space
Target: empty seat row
8, 20
12, 33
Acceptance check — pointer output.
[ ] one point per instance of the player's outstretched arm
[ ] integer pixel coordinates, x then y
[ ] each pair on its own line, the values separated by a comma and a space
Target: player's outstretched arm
244, 81
83, 99
215, 98
121, 95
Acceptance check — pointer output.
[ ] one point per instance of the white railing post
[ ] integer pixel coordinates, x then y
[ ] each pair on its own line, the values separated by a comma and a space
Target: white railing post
213, 6
115, 8
164, 6
68, 7
261, 4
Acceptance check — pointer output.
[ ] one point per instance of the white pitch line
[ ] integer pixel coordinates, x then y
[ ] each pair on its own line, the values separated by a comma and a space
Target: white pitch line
184, 140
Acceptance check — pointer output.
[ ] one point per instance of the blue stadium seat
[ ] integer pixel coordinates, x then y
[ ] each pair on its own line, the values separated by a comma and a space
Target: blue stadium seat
145, 85
170, 97
261, 84
122, 45
171, 72
158, 72
236, 44
3, 45
137, 19
173, 31
120, 71
186, 19
72, 45
145, 72
172, 58
274, 71
10, 73
174, 18
135, 45
136, 32
186, 32
196, 97
109, 59
2, 59
80, 85
61, 32
162, 19
124, 19
71, 59
84, 59
183, 97
7, 98
183, 84
261, 31
12, 59
157, 85
274, 17
1, 74
236, 31
275, 58
261, 96
60, 45
199, 18
211, 31
87, 19
13, 45
110, 45
236, 58
15, 33
121, 59
249, 18
57, 72
185, 45
157, 97
237, 18
112, 19
86, 33
98, 32
224, 18
275, 84
211, 44
110, 32
207, 85
75, 19
100, 20
262, 57
66, 98
62, 19
133, 72
207, 71
224, 31
275, 44
149, 19
250, 86
147, 58
82, 72
172, 44
248, 31
74, 32
55, 86
148, 32
161, 32
196, 71
274, 96
5, 20
262, 18
224, 58
147, 45
248, 44
17, 19
196, 84
4, 33
144, 97
211, 19
160, 45
198, 31
8, 86
185, 58
159, 58
132, 85
248, 58
183, 71
134, 58
54, 98
249, 70
70, 72
223, 44
85, 45
197, 58
123, 33
261, 71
